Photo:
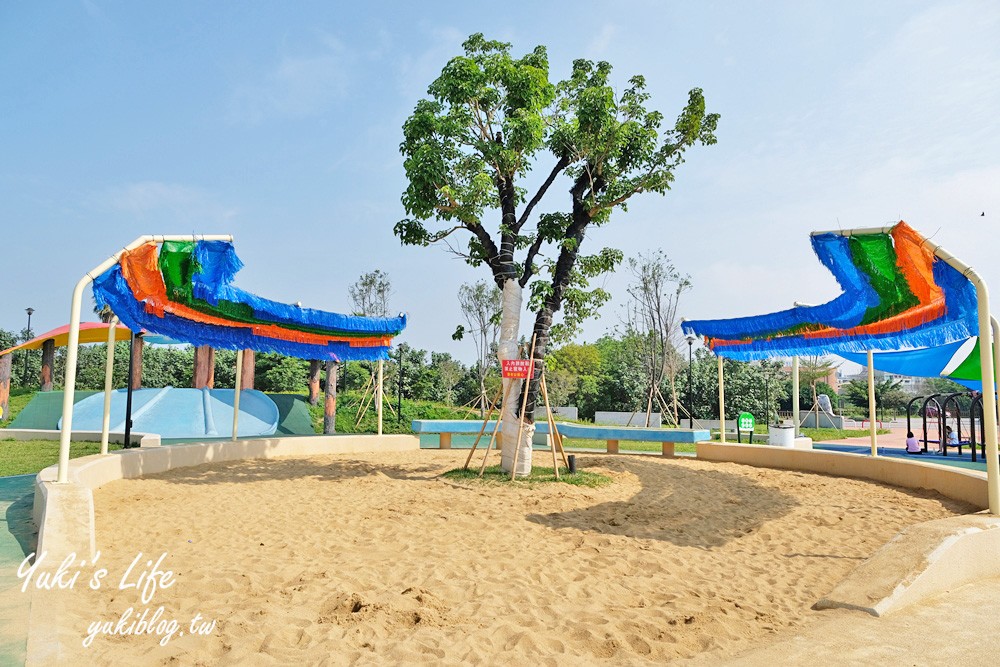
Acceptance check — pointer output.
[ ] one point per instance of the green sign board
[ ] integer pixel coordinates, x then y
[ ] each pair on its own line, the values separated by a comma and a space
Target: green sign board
745, 422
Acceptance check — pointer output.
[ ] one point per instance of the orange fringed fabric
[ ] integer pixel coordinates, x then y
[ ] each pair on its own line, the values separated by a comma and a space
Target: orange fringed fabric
141, 271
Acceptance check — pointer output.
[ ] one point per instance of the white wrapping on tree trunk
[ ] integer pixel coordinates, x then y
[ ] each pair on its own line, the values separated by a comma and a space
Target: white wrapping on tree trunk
510, 321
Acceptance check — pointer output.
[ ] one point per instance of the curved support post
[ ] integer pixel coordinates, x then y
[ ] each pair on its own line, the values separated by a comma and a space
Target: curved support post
73, 343
109, 370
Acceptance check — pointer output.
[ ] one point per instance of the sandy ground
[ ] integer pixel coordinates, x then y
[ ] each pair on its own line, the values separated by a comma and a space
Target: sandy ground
375, 559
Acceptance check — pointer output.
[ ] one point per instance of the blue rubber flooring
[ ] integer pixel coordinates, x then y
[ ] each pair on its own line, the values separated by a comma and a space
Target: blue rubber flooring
17, 539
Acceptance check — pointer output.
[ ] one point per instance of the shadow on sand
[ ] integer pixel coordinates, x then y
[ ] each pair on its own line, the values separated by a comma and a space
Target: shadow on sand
677, 504
253, 470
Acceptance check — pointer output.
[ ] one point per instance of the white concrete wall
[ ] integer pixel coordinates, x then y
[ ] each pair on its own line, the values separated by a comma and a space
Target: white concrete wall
627, 418
566, 411
958, 483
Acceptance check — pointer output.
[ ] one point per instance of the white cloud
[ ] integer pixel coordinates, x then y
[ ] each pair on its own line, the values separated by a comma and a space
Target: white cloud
416, 72
598, 46
171, 202
296, 87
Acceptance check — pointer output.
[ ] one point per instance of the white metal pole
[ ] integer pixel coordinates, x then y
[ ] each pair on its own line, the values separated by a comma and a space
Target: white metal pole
795, 394
380, 365
73, 343
722, 403
108, 384
236, 392
871, 403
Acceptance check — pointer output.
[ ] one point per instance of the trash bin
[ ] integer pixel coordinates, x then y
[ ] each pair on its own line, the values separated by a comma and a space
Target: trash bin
781, 435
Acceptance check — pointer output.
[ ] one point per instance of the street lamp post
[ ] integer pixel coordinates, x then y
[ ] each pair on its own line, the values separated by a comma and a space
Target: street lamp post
690, 340
24, 379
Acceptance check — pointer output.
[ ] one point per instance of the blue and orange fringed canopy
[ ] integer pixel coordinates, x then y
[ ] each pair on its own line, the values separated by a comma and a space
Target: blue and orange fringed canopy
184, 290
896, 295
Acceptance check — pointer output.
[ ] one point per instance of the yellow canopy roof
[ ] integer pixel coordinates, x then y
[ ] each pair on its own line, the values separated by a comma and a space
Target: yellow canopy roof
90, 332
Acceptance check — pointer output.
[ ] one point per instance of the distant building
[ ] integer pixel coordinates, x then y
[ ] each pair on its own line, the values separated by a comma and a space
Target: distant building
908, 383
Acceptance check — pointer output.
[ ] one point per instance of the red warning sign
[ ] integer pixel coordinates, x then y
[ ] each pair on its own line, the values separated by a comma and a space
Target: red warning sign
517, 369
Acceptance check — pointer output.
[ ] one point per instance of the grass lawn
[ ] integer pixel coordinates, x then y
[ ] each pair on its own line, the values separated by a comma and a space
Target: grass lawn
626, 445
23, 457
494, 475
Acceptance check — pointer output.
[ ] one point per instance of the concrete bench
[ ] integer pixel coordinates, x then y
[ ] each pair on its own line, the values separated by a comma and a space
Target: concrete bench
613, 435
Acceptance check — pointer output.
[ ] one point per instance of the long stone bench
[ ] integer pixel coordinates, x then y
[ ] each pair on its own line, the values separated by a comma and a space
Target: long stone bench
613, 435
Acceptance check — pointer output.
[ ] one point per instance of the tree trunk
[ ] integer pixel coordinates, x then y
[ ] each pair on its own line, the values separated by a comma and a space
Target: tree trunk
48, 360
6, 363
137, 347
314, 368
249, 368
204, 367
510, 321
330, 402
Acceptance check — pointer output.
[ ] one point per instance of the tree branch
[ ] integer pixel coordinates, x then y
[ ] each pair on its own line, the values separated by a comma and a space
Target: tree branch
532, 251
556, 170
600, 207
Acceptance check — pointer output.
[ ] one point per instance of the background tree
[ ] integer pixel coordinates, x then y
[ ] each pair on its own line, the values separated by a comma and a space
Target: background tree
370, 294
480, 304
467, 150
888, 393
812, 369
651, 316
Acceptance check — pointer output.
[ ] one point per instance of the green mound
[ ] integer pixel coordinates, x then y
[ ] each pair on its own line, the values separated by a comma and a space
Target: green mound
45, 410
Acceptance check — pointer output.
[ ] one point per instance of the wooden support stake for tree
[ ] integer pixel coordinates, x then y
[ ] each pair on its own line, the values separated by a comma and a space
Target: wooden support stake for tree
552, 427
496, 427
365, 404
524, 406
558, 435
481, 431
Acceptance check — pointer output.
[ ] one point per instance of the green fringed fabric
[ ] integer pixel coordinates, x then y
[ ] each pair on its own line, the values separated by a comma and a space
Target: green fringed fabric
874, 254
178, 265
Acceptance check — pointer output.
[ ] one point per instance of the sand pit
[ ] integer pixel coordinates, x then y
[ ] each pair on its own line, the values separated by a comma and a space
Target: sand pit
375, 559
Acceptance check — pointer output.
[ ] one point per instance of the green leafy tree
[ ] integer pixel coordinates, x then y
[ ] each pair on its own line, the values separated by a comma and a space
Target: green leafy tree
468, 148
812, 370
888, 393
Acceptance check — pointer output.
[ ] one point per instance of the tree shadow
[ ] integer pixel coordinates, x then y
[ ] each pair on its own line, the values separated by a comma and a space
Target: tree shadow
677, 504
19, 492
260, 469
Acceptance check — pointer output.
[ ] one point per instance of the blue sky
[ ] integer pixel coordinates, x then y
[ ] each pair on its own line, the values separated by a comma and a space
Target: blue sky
280, 123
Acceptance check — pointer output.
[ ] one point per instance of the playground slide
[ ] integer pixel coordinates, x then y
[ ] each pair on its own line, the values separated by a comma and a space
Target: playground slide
181, 413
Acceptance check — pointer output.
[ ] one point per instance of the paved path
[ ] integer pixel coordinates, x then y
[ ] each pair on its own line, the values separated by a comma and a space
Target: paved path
960, 628
16, 541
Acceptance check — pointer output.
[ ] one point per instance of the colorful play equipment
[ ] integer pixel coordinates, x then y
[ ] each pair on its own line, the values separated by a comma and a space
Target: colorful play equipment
937, 410
957, 361
90, 332
181, 287
182, 413
901, 292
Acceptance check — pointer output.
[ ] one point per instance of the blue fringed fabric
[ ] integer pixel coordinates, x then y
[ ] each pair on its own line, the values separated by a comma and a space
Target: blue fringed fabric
111, 289
843, 312
218, 264
958, 323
